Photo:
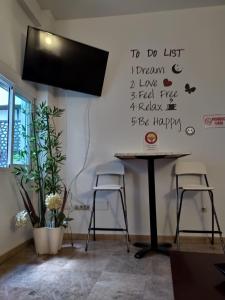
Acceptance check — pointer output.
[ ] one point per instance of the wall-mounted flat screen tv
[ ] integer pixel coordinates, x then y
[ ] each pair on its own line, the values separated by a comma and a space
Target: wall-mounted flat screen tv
57, 61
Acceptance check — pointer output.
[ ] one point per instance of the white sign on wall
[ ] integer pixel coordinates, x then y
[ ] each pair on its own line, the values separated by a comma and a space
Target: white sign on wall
151, 141
214, 121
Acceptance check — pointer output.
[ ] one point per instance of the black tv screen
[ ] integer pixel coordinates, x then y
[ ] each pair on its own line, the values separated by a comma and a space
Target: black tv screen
57, 61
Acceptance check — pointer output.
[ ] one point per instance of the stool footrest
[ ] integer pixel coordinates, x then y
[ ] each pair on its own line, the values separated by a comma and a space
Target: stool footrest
108, 229
201, 231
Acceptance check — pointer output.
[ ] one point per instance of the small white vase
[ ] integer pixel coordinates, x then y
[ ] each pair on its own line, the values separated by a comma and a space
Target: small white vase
41, 240
54, 236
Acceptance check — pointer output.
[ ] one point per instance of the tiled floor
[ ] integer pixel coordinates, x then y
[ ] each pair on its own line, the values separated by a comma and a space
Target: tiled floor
105, 272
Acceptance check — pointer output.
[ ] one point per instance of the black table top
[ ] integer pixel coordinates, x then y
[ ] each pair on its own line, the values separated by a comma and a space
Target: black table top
150, 154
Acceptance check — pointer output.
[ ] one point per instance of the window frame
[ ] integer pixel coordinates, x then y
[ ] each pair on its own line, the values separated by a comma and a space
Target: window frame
13, 92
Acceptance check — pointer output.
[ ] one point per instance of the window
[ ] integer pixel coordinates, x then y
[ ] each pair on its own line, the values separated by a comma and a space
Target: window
15, 112
4, 123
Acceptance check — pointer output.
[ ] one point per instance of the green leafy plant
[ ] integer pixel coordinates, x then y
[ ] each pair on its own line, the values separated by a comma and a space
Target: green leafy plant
46, 159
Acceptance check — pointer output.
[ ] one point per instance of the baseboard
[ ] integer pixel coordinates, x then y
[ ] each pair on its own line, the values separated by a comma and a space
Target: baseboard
141, 238
110, 237
15, 250
114, 237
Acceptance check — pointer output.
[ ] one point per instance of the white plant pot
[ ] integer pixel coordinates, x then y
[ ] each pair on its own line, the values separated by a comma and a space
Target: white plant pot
54, 237
48, 240
41, 240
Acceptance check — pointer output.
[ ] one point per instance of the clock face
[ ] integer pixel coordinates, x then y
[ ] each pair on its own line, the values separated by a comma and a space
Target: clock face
151, 137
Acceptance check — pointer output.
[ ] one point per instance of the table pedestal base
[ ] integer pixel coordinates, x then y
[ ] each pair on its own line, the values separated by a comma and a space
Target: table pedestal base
162, 248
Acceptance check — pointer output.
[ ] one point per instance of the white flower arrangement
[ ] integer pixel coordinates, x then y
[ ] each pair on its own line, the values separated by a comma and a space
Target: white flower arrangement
55, 205
21, 218
53, 201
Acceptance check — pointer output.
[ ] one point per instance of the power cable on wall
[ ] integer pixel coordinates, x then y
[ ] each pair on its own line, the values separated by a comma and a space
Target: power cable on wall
71, 207
83, 167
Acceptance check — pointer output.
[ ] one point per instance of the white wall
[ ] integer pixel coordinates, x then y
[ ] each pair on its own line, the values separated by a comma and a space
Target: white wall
13, 28
201, 33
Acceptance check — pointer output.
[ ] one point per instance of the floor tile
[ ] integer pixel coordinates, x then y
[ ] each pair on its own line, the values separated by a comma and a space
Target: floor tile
18, 293
118, 286
105, 272
158, 288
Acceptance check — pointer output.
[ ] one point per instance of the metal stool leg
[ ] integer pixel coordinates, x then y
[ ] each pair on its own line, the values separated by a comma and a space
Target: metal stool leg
94, 238
213, 214
89, 227
125, 203
178, 219
125, 220
124, 206
177, 205
217, 223
175, 239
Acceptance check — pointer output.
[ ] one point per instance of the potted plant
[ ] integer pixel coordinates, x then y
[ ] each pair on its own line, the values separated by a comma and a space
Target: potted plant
56, 220
42, 174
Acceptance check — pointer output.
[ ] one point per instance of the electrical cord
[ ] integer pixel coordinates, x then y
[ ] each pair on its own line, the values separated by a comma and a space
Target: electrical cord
83, 167
71, 207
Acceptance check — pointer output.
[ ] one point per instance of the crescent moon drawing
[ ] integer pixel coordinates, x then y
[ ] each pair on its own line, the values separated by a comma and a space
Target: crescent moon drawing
176, 69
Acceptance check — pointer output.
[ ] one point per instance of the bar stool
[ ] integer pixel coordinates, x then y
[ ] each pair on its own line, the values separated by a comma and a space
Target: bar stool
109, 170
190, 176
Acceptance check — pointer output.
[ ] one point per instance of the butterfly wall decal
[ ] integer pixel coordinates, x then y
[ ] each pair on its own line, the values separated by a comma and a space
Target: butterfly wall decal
189, 89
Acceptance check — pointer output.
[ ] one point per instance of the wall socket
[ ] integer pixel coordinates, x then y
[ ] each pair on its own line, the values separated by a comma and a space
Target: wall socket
82, 207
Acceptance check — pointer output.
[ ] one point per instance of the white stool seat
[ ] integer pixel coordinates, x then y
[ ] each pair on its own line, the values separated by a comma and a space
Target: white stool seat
107, 187
196, 187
